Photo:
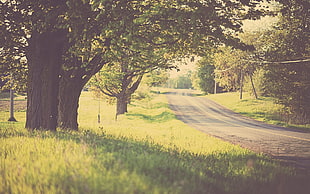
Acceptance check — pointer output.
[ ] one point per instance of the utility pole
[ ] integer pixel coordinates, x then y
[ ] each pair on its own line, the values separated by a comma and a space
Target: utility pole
12, 118
214, 86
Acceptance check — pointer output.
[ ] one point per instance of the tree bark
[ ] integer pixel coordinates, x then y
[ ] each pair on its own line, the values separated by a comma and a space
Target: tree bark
45, 59
71, 85
123, 98
121, 103
69, 94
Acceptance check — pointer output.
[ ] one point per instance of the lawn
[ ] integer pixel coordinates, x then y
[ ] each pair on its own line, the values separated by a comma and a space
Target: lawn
145, 151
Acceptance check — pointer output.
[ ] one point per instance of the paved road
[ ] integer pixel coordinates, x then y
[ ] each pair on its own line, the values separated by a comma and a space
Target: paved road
209, 117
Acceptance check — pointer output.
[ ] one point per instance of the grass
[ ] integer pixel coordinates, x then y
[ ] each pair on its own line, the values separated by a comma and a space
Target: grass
134, 155
262, 109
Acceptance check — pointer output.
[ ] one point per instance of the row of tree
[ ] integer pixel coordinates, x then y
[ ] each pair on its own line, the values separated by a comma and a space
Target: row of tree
279, 65
58, 45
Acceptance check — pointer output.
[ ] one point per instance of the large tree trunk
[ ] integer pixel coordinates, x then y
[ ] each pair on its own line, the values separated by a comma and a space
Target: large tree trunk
69, 94
71, 85
45, 60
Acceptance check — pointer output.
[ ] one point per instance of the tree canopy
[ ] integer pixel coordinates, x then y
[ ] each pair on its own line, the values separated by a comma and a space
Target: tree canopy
66, 42
289, 82
280, 60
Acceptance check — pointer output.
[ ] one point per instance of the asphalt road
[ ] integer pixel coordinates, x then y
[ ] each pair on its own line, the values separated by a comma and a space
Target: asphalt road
289, 145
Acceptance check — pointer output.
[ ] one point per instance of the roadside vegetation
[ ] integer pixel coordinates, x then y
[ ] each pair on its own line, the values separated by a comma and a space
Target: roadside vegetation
277, 66
262, 109
146, 151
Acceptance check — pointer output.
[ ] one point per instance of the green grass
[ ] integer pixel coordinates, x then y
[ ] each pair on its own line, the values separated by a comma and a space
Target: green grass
135, 154
262, 109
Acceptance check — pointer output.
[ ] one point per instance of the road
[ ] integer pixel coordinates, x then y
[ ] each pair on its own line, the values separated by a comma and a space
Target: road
289, 145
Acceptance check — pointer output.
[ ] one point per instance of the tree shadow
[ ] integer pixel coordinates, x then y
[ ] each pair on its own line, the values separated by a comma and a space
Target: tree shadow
163, 117
151, 106
181, 171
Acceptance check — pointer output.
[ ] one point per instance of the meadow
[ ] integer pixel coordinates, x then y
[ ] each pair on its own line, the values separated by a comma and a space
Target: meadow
145, 151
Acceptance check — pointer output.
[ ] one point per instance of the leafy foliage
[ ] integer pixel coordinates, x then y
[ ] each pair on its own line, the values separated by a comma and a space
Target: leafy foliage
289, 83
206, 74
280, 58
95, 33
156, 78
228, 66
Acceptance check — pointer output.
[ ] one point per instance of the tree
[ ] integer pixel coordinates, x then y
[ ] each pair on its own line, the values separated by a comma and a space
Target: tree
46, 31
156, 78
288, 42
229, 67
184, 81
282, 59
52, 34
71, 84
12, 49
121, 80
205, 74
117, 85
44, 63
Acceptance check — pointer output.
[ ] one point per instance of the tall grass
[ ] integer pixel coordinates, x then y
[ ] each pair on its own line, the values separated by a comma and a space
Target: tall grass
145, 151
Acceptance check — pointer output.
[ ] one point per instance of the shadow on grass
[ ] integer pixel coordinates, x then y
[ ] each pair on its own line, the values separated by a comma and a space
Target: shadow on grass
198, 95
151, 106
179, 171
163, 117
260, 114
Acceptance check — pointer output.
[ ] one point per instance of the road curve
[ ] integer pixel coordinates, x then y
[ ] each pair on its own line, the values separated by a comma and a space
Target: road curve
207, 116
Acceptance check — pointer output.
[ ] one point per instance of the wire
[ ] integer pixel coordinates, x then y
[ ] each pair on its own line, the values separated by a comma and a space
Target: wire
266, 62
280, 62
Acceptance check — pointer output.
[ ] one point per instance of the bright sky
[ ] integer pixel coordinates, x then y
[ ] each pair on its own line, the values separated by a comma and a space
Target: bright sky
256, 25
184, 67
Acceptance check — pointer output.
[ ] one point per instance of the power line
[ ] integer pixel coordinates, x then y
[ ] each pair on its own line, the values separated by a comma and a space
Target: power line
218, 70
280, 62
265, 62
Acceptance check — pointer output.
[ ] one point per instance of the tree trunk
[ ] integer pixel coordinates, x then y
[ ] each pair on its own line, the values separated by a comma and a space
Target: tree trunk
121, 103
123, 98
71, 85
69, 94
45, 60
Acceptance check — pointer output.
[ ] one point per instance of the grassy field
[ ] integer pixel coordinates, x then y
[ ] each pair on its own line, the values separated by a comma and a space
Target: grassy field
262, 109
145, 151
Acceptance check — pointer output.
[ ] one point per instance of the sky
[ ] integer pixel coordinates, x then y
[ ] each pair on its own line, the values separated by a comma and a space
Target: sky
256, 25
184, 67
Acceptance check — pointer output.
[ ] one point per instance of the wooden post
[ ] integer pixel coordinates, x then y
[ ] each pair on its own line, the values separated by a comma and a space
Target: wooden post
253, 87
12, 118
215, 86
241, 84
